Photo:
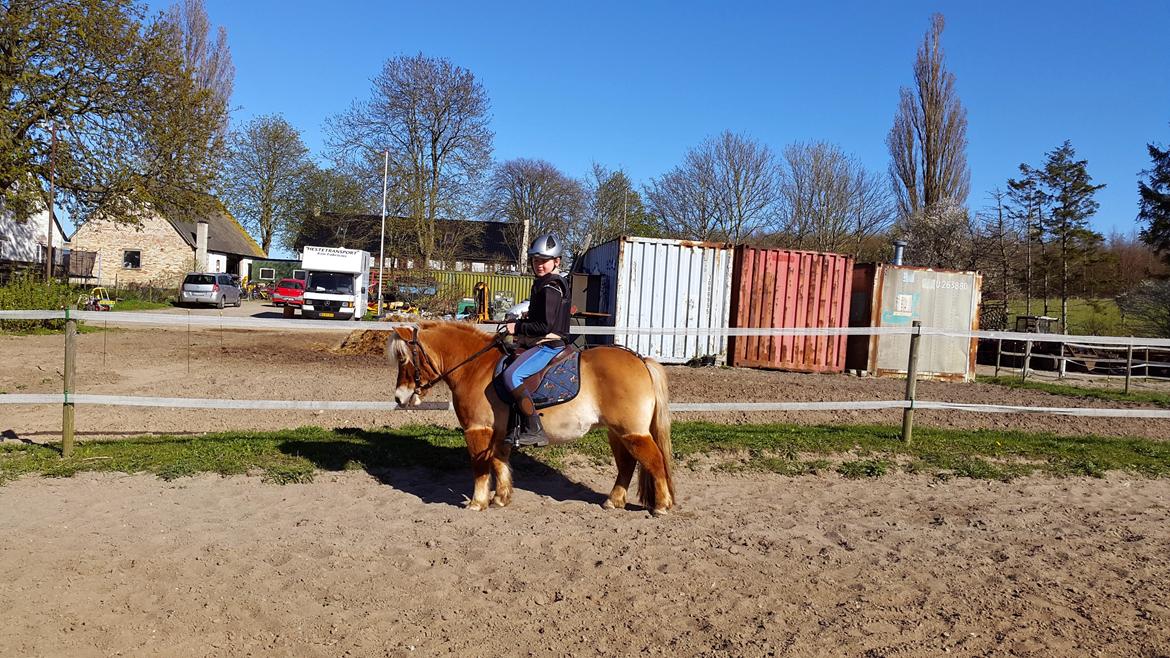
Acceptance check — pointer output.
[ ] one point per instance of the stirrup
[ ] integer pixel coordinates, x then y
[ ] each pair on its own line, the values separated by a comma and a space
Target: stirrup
530, 440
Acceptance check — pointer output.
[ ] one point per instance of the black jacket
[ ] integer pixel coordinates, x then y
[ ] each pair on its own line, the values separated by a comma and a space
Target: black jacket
548, 309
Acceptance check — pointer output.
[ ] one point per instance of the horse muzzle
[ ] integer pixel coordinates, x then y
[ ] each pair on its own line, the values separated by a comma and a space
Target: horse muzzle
407, 397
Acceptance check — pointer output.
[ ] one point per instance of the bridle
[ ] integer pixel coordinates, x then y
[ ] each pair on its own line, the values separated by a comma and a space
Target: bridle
418, 353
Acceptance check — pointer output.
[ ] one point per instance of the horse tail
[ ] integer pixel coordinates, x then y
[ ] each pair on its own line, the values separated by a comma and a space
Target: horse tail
660, 431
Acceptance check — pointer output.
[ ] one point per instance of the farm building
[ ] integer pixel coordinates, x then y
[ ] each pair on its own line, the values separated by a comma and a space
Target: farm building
461, 245
22, 244
159, 250
271, 270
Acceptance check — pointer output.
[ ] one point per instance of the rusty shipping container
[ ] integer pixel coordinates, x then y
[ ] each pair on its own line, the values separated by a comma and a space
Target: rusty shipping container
780, 288
897, 295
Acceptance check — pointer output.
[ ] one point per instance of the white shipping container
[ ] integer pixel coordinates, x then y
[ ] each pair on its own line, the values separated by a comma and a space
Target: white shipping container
654, 283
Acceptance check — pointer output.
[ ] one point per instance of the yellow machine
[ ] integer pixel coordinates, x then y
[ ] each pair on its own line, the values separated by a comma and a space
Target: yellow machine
97, 299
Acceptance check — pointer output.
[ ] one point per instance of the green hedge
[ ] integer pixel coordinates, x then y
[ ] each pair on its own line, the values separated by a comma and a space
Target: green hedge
27, 292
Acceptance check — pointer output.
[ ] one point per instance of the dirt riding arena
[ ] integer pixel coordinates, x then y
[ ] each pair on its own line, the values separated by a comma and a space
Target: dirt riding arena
390, 564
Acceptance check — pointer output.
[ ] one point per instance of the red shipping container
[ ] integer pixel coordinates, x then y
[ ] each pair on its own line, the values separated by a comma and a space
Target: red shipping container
782, 288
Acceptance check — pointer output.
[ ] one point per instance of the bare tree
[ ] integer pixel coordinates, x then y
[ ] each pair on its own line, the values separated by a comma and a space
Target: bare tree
928, 141
432, 117
533, 197
747, 184
829, 201
997, 246
262, 177
685, 200
939, 236
726, 189
613, 209
326, 199
210, 63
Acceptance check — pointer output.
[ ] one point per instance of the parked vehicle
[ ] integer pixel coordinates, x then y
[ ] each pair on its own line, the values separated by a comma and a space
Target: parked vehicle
258, 290
97, 299
214, 288
337, 282
288, 291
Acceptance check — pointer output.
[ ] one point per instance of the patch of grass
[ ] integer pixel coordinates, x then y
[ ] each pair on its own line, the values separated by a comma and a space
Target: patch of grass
854, 451
863, 468
1086, 316
1146, 397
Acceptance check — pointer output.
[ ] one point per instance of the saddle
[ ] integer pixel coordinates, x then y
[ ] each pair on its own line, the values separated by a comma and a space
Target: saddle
557, 383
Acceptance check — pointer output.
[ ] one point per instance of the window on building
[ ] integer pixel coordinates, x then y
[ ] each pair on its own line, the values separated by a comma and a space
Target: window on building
299, 275
267, 274
131, 259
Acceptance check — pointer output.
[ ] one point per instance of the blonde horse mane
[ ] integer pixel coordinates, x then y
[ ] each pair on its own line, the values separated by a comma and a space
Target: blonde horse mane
400, 349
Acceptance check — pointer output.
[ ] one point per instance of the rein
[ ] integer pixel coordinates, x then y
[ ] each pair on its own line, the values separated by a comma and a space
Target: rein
416, 349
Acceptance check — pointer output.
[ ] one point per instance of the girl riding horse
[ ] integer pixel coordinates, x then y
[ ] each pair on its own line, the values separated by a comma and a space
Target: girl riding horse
543, 334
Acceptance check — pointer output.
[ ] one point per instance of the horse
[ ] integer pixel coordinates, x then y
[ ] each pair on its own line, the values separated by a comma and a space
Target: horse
620, 390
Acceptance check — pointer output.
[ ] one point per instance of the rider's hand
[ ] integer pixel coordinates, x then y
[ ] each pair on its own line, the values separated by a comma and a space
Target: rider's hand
511, 328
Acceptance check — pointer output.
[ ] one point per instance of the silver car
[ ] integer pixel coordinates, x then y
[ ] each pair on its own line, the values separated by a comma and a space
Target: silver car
213, 288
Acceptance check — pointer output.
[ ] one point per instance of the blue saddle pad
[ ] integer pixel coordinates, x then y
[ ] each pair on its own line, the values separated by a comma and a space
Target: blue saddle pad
561, 383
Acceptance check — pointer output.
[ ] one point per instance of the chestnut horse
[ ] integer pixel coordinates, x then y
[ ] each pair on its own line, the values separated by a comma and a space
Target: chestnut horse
620, 390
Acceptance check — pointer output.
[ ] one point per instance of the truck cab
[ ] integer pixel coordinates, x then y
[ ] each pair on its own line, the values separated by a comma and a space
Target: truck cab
337, 283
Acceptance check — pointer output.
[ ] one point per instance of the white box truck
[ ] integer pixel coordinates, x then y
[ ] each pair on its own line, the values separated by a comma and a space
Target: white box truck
337, 282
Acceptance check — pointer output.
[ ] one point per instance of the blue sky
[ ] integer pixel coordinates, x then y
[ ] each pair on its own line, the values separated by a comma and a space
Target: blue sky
636, 84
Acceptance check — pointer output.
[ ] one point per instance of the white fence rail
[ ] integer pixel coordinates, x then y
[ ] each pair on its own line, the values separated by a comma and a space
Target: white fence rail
68, 398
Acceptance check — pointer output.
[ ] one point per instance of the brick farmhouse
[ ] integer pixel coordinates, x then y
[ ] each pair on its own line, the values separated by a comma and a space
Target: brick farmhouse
158, 251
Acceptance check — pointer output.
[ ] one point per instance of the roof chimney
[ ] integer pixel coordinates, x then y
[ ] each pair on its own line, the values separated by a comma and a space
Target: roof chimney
899, 247
201, 246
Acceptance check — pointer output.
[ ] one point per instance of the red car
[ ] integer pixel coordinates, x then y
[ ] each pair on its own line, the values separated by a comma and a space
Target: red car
288, 291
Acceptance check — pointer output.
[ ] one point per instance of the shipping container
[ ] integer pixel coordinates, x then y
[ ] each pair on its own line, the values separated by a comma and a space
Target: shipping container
780, 288
896, 296
654, 283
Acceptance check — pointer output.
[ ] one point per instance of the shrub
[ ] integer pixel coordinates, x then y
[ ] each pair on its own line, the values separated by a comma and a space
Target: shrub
28, 292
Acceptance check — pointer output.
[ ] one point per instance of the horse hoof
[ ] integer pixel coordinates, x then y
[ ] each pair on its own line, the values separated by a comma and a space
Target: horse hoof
476, 506
499, 501
609, 504
661, 511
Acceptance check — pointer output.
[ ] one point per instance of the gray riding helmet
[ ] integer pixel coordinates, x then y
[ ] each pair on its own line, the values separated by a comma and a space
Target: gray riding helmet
546, 246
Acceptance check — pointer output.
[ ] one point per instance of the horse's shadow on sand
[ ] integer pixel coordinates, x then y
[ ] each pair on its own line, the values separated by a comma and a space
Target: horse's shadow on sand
433, 473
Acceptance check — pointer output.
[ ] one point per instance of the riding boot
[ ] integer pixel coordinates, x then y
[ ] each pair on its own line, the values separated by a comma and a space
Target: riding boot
531, 431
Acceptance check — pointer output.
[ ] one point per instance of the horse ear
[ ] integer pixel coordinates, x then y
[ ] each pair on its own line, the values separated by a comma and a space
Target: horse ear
398, 345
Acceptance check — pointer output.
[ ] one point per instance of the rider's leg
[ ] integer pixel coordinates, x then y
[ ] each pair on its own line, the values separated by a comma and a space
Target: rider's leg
531, 431
526, 365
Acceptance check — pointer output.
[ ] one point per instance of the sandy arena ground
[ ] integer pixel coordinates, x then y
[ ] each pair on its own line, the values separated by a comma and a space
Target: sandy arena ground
389, 564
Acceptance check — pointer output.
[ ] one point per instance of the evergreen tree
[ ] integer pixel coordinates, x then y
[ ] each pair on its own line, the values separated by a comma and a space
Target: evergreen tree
1155, 203
1071, 190
1029, 205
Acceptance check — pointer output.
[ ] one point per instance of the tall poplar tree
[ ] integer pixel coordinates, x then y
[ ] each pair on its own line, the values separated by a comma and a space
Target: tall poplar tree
928, 141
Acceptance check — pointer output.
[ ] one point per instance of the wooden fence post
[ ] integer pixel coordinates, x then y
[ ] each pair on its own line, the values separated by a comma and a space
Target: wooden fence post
998, 354
911, 381
1027, 360
70, 369
1128, 364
